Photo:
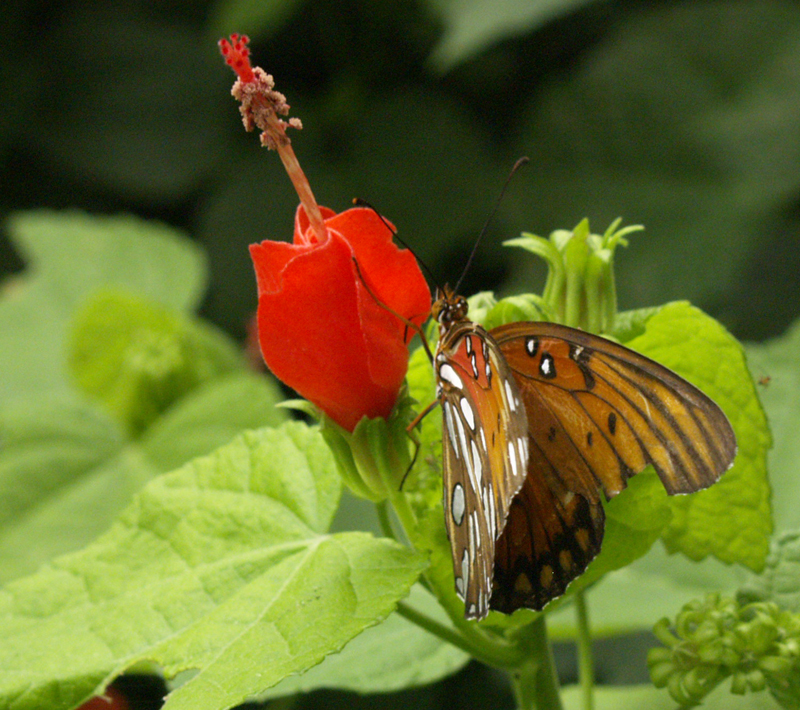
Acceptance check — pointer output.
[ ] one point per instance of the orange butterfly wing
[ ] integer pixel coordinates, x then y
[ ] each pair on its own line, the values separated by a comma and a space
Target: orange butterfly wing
598, 413
484, 447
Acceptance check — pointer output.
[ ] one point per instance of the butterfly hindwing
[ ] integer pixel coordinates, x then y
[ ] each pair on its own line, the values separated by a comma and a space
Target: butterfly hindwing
484, 447
550, 537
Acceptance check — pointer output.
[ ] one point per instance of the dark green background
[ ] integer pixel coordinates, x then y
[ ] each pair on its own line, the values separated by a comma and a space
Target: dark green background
682, 116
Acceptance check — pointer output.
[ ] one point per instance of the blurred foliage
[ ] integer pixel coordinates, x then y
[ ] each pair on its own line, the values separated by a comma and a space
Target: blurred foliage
632, 108
626, 108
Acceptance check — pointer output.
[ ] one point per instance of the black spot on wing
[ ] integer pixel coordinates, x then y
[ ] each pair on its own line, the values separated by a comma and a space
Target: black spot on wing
547, 366
581, 357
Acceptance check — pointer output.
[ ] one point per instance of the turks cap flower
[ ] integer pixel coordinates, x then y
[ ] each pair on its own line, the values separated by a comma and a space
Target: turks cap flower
328, 303
321, 323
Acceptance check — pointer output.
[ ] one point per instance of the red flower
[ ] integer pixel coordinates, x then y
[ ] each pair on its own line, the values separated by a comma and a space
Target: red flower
321, 331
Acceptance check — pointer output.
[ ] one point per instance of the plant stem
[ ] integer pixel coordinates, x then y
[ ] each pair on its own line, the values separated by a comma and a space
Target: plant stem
585, 659
535, 681
492, 654
384, 520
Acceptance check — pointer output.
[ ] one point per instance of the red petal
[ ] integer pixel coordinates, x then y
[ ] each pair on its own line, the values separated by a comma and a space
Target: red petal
321, 331
310, 334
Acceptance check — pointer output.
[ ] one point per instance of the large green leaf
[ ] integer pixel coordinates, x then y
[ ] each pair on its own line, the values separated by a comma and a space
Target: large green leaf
779, 359
780, 580
732, 519
392, 656
222, 567
68, 256
139, 358
66, 469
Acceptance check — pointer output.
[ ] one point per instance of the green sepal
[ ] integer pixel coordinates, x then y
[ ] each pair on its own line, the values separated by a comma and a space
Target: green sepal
374, 458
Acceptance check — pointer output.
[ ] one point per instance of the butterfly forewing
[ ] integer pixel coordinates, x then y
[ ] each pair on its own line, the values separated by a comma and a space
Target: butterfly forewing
617, 410
485, 453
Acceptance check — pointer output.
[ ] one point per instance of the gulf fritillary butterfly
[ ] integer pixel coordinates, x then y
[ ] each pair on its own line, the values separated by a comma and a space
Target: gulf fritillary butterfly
539, 420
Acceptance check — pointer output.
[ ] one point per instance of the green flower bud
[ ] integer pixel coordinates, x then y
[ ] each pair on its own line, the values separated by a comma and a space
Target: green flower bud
580, 290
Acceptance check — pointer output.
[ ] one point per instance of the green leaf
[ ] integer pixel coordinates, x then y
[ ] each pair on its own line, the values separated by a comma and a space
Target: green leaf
138, 358
630, 324
211, 416
780, 580
469, 28
732, 519
221, 567
392, 656
778, 359
66, 469
69, 255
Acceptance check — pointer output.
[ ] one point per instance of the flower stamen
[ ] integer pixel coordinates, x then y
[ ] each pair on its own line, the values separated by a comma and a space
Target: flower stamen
261, 107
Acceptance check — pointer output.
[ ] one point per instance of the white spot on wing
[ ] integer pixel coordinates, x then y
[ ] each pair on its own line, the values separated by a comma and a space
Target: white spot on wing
477, 464
492, 513
522, 446
448, 374
474, 534
460, 587
512, 457
458, 505
469, 415
465, 570
461, 435
512, 401
449, 425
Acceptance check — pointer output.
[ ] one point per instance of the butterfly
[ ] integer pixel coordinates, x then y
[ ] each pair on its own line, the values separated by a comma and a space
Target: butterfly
540, 421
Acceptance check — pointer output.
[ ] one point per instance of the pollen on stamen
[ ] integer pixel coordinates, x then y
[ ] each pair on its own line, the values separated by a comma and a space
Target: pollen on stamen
237, 56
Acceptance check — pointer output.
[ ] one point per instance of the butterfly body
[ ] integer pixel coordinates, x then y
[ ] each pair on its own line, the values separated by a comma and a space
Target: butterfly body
540, 422
486, 448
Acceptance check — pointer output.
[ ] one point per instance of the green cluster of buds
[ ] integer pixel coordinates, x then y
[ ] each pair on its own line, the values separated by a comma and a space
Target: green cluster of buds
580, 290
756, 645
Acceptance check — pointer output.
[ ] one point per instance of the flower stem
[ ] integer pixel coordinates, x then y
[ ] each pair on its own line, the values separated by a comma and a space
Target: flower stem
385, 522
535, 682
585, 659
296, 175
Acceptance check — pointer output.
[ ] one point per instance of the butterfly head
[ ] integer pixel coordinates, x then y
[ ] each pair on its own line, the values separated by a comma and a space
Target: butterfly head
449, 307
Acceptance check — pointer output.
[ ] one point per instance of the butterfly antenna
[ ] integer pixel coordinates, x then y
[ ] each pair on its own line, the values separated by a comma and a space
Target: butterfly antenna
516, 167
358, 202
